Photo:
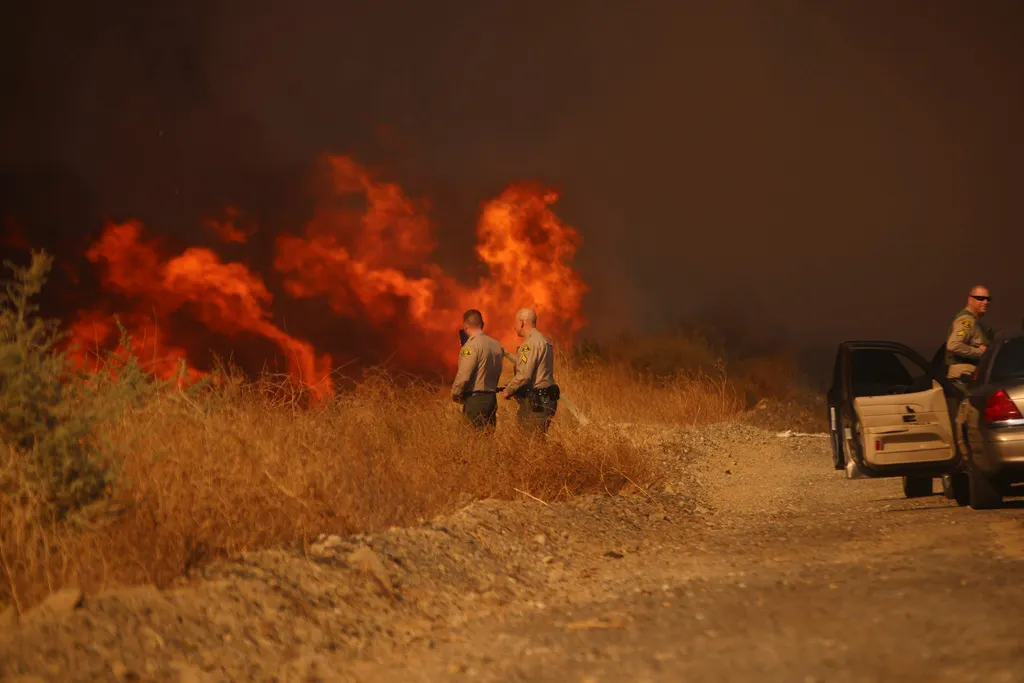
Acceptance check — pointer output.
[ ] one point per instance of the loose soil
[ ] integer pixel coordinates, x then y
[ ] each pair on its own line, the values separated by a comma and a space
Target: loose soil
755, 561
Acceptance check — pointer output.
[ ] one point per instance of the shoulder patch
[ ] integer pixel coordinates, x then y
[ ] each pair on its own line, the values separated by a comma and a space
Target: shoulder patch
466, 351
967, 322
525, 348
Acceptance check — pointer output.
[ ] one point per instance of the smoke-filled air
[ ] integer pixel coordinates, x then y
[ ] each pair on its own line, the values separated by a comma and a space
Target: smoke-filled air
248, 432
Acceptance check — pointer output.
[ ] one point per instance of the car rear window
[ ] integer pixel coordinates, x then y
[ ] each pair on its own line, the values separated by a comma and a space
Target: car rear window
1009, 362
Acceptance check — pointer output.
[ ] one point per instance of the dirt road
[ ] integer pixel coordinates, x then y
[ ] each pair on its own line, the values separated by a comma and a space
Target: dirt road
758, 563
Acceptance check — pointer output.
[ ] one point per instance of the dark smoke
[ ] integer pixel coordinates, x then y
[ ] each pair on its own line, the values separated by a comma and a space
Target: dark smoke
819, 170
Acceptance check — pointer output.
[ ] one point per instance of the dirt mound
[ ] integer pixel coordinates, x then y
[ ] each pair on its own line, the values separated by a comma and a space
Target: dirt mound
286, 613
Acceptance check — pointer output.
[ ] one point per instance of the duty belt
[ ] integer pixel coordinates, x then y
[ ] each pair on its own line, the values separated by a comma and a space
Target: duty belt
550, 393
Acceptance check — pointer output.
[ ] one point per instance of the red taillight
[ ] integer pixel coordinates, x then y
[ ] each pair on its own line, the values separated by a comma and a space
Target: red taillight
1001, 408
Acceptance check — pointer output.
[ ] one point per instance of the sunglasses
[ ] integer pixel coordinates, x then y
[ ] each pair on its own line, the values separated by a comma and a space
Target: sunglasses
981, 298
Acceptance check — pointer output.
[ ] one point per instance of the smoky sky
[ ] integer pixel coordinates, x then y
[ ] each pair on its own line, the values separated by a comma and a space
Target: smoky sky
817, 170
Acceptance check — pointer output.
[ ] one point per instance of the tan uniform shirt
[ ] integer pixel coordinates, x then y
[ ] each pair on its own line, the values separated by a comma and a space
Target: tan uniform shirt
535, 364
479, 366
965, 337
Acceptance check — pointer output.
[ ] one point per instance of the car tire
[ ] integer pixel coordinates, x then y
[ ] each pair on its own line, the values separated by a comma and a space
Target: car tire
956, 487
917, 487
983, 492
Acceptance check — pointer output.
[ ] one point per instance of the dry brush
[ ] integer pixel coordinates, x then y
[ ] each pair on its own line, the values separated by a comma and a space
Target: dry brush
117, 478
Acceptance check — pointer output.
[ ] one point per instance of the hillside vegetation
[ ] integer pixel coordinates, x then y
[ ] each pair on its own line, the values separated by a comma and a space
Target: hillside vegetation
116, 477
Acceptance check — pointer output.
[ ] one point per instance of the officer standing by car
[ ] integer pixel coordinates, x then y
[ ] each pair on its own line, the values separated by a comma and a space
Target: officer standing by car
967, 338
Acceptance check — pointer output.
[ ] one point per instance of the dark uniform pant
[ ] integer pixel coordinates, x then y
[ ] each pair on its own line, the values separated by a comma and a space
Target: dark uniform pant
536, 411
960, 382
481, 409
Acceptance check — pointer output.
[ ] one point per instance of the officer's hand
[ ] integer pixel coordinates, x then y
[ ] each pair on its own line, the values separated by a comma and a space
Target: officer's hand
506, 395
982, 348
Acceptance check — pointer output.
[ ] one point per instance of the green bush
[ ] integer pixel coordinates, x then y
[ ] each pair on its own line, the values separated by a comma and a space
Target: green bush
49, 413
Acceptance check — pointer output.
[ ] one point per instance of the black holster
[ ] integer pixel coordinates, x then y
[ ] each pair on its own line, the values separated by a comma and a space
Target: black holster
539, 398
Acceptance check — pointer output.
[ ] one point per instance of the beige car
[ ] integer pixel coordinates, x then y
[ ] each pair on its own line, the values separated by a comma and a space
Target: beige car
990, 428
894, 414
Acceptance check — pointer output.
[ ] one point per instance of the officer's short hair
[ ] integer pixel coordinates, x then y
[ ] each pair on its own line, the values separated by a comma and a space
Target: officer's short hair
473, 317
527, 314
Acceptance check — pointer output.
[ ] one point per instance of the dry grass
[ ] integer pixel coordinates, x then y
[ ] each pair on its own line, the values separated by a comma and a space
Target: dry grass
248, 468
617, 392
249, 465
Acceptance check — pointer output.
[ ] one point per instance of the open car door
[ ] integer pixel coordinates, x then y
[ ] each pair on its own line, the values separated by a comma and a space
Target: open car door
890, 412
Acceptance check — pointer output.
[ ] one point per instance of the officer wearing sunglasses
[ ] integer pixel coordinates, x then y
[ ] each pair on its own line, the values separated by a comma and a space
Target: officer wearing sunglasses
967, 338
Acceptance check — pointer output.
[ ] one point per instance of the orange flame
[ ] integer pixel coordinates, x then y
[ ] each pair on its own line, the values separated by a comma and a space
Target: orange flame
226, 229
365, 254
94, 331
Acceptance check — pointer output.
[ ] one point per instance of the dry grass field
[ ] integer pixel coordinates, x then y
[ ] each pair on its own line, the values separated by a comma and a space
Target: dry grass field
116, 478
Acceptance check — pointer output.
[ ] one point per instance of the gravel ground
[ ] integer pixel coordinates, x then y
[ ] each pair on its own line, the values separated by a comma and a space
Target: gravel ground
756, 562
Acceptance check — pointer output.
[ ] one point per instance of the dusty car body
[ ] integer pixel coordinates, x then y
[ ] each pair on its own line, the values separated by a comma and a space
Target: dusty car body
892, 413
990, 426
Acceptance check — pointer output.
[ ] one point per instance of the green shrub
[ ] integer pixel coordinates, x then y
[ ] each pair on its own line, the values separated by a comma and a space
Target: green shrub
49, 413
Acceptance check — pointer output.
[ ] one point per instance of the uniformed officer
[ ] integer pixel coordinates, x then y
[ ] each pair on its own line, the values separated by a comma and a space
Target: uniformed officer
533, 384
967, 338
476, 381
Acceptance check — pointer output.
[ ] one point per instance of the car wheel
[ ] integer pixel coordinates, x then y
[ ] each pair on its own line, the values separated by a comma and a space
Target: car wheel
983, 493
955, 487
917, 487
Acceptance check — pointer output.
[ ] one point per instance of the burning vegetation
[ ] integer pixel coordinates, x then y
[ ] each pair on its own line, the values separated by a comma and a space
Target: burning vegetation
124, 460
364, 256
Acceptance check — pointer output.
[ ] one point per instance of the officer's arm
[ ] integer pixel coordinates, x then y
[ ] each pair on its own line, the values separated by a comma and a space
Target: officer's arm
524, 370
528, 362
466, 364
517, 378
957, 340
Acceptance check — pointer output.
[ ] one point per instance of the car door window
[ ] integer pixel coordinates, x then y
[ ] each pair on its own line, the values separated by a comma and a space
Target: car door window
1009, 361
877, 372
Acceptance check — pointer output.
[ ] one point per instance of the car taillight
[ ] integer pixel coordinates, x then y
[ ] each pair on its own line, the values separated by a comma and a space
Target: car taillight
1001, 408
